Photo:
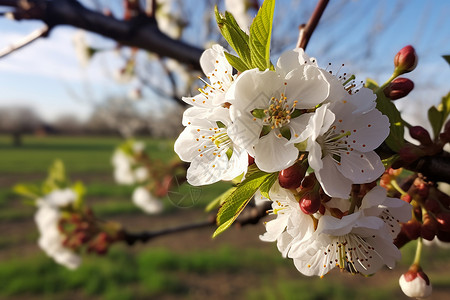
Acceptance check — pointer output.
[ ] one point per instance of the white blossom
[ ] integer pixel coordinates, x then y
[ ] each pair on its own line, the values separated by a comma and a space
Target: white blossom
220, 76
290, 223
47, 219
340, 142
126, 169
266, 108
143, 199
205, 143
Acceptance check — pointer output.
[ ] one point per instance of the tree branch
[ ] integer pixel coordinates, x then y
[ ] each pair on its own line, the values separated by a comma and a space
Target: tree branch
434, 168
251, 215
141, 31
33, 36
307, 30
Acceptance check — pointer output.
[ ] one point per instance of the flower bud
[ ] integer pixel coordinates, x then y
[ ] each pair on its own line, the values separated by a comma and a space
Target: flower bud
421, 134
291, 178
443, 236
412, 229
406, 60
415, 283
310, 203
410, 153
443, 220
399, 88
429, 227
251, 160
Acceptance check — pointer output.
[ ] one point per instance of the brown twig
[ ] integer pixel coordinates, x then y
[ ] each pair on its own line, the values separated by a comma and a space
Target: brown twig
140, 31
307, 30
251, 215
33, 36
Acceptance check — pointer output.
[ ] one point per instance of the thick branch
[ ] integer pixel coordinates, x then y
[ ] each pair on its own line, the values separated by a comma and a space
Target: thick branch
434, 168
251, 215
141, 31
307, 30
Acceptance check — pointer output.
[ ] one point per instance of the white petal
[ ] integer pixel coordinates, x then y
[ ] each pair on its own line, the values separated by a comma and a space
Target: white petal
332, 181
367, 131
272, 154
245, 132
306, 85
253, 89
361, 167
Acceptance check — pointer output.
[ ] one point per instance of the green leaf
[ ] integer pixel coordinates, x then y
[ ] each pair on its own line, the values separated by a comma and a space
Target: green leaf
27, 190
238, 199
267, 184
80, 189
387, 162
235, 36
447, 58
219, 200
236, 62
260, 35
395, 140
438, 115
56, 177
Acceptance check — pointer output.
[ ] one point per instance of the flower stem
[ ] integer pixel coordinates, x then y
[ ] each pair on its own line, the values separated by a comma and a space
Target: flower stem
418, 252
395, 185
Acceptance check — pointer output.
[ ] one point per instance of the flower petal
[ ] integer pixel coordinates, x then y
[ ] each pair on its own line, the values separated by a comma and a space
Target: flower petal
272, 154
361, 167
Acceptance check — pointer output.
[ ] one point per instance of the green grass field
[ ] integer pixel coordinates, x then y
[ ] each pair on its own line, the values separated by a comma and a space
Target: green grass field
186, 266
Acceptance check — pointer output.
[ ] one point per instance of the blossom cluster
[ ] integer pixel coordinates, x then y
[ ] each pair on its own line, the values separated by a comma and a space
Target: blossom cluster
128, 170
300, 119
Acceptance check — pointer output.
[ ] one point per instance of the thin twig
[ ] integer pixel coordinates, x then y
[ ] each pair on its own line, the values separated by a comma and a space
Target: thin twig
307, 30
251, 215
33, 36
11, 3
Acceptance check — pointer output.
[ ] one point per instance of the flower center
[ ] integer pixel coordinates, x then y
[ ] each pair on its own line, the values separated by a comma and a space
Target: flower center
333, 144
278, 114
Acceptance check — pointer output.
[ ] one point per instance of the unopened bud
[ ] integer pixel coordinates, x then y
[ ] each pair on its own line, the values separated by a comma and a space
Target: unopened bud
406, 60
406, 198
432, 205
410, 153
443, 236
443, 220
429, 227
415, 283
411, 229
291, 178
309, 203
251, 160
421, 134
399, 88
309, 181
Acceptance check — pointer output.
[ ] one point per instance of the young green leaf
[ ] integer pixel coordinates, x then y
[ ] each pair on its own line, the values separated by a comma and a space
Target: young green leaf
438, 115
27, 190
236, 37
219, 200
395, 140
56, 178
236, 62
267, 184
260, 35
238, 199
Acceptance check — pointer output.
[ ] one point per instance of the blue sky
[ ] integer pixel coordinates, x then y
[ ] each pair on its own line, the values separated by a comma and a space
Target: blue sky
364, 34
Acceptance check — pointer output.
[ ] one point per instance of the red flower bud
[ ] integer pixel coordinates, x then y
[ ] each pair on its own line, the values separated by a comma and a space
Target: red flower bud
309, 181
432, 205
429, 227
251, 160
399, 88
443, 236
411, 229
421, 134
410, 153
291, 178
443, 220
415, 283
406, 60
309, 203
406, 198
